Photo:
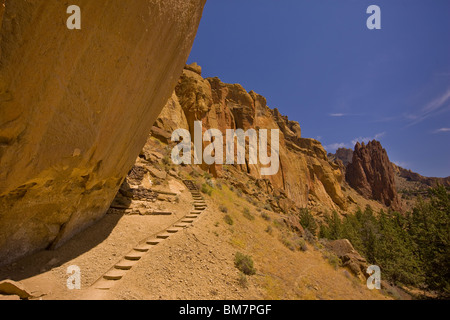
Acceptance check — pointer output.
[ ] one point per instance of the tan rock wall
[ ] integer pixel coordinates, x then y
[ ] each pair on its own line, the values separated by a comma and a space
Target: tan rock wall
76, 107
305, 173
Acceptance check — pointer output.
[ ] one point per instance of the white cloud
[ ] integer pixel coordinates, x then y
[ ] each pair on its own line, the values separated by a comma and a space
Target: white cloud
402, 164
434, 107
367, 139
442, 130
336, 114
335, 146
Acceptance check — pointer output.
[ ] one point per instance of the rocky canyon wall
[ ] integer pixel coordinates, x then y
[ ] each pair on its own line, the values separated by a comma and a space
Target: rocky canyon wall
372, 174
305, 173
76, 107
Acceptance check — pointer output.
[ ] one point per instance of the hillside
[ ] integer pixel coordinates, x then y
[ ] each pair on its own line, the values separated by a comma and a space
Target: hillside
197, 262
240, 211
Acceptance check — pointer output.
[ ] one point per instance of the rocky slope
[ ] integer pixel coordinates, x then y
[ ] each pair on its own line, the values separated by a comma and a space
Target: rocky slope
372, 175
411, 176
75, 107
305, 175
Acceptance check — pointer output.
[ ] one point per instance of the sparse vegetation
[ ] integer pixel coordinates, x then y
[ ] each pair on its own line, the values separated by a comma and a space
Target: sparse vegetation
269, 230
206, 189
332, 259
287, 243
301, 245
307, 221
243, 281
223, 208
228, 220
265, 216
244, 263
247, 214
294, 242
278, 223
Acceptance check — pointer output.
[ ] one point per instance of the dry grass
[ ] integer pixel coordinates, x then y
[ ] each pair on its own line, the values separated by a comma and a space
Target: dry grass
284, 273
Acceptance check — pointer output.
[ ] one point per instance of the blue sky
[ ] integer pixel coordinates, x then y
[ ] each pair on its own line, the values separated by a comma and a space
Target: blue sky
318, 63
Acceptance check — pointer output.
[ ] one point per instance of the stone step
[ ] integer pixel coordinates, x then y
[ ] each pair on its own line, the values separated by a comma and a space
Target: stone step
104, 284
161, 213
181, 225
142, 248
114, 274
134, 255
191, 216
154, 242
125, 264
196, 212
173, 230
200, 202
187, 220
163, 235
200, 208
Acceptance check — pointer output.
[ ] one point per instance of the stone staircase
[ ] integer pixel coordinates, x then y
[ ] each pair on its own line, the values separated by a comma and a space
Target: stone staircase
116, 273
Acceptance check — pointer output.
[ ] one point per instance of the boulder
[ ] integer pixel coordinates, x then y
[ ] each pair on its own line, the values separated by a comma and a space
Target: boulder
13, 288
350, 258
76, 108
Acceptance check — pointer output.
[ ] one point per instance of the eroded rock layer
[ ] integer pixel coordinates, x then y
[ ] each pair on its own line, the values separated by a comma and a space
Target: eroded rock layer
372, 174
305, 173
76, 107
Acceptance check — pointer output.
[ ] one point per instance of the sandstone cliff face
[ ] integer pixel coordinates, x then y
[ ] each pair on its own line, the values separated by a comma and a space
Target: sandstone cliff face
76, 107
372, 175
305, 173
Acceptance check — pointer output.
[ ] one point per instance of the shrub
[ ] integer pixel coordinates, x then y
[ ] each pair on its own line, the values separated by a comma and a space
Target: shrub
243, 282
228, 220
332, 259
269, 230
248, 215
309, 237
301, 245
265, 216
207, 175
279, 224
223, 208
288, 244
206, 189
307, 221
244, 263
